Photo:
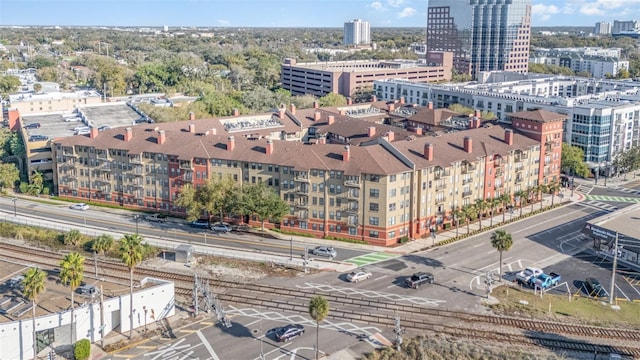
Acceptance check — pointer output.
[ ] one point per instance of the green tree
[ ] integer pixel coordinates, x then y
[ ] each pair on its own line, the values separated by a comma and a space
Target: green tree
33, 287
332, 99
102, 244
318, 310
9, 175
458, 214
552, 189
262, 201
71, 274
481, 206
461, 109
505, 200
470, 212
216, 196
9, 84
37, 184
73, 237
521, 195
501, 241
131, 253
37, 87
573, 161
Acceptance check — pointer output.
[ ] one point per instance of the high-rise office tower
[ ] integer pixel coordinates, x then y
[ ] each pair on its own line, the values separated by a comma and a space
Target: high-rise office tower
483, 35
356, 32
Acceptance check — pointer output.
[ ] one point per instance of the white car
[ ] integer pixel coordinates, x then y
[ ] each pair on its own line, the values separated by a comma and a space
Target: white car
358, 275
224, 228
80, 206
327, 251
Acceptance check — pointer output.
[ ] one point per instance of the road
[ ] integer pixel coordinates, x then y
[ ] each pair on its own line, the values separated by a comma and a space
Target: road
97, 221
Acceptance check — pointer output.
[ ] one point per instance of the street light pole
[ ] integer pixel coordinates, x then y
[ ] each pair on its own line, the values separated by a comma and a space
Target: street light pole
291, 248
136, 218
145, 318
15, 213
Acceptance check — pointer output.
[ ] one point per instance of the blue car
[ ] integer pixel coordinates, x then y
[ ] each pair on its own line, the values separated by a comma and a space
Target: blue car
200, 224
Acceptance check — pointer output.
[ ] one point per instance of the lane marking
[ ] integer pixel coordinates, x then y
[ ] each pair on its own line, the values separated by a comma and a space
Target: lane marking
206, 344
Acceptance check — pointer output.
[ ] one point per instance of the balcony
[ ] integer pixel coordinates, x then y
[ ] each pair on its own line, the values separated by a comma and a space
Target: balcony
302, 179
350, 210
499, 185
138, 195
302, 205
138, 184
135, 160
499, 171
440, 174
352, 195
104, 189
103, 181
466, 169
105, 167
138, 171
519, 179
69, 154
102, 155
467, 180
467, 193
441, 186
186, 164
519, 167
352, 183
302, 191
441, 200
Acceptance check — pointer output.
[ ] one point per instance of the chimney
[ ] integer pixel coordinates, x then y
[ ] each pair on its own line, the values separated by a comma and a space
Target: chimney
231, 143
346, 153
192, 128
477, 114
430, 105
349, 101
269, 148
192, 116
293, 109
281, 113
341, 112
322, 140
128, 134
418, 131
428, 151
93, 133
371, 131
391, 136
391, 107
468, 145
402, 100
331, 119
161, 137
508, 136
235, 112
316, 116
374, 98
315, 104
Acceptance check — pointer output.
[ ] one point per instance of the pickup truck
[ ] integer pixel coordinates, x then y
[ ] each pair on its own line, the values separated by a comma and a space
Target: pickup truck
159, 218
545, 281
524, 276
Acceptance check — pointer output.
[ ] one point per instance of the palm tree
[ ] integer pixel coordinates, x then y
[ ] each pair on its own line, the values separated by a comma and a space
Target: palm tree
544, 188
504, 200
318, 310
521, 194
493, 203
501, 241
131, 251
457, 214
33, 283
481, 207
74, 237
469, 212
531, 192
101, 245
71, 273
553, 188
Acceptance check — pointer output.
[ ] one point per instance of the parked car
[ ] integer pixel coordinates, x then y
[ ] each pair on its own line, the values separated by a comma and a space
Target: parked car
15, 282
594, 288
289, 332
419, 278
221, 228
201, 224
79, 206
38, 138
89, 290
327, 251
32, 126
545, 281
159, 218
358, 275
83, 132
524, 276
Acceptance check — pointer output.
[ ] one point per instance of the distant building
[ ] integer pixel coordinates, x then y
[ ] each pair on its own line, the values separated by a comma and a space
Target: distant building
602, 28
621, 26
483, 36
28, 103
357, 32
346, 77
598, 62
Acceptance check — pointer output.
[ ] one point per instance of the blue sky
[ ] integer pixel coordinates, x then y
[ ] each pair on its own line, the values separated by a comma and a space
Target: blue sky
283, 13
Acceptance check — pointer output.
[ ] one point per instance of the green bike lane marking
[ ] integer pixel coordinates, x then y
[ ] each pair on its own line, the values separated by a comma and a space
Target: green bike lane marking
371, 258
613, 198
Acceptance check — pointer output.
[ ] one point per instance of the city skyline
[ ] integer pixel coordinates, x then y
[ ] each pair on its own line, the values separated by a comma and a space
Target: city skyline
281, 13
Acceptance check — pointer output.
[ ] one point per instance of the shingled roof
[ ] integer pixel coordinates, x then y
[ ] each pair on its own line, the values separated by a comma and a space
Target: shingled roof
538, 116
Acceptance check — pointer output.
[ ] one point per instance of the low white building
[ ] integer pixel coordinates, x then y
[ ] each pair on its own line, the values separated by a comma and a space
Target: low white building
92, 321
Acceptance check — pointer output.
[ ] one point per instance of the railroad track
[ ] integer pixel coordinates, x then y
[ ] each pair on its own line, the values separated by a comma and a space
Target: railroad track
378, 312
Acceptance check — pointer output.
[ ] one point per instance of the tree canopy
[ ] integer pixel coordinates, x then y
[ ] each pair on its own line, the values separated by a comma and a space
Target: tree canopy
573, 161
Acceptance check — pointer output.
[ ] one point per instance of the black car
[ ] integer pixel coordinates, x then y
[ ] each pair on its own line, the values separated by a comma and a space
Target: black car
594, 288
418, 279
32, 126
38, 138
288, 332
201, 224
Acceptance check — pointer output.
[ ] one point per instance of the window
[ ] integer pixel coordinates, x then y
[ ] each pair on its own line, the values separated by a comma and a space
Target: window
374, 220
392, 178
392, 207
392, 192
373, 234
374, 193
374, 207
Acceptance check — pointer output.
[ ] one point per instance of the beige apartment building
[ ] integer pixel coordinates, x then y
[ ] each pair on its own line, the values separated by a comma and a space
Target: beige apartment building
379, 189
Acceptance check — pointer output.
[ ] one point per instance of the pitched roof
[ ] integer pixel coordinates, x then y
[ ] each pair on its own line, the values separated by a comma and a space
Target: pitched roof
538, 115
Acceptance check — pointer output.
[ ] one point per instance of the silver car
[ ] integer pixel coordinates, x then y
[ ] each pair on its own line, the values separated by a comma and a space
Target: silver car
358, 275
327, 251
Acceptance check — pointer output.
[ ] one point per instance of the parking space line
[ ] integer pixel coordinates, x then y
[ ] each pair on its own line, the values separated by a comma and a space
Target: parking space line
206, 344
622, 292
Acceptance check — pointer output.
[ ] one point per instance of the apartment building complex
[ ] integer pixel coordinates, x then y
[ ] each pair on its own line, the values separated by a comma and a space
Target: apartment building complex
347, 77
356, 32
483, 36
602, 28
28, 103
343, 173
598, 62
603, 115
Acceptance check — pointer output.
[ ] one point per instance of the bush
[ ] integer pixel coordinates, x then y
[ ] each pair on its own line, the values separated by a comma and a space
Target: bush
82, 349
24, 187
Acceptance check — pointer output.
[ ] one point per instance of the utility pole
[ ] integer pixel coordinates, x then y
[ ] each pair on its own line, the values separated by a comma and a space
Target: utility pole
195, 295
95, 262
613, 271
398, 330
102, 325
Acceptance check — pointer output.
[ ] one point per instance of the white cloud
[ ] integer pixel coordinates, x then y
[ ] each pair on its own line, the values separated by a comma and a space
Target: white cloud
377, 6
591, 9
601, 7
407, 12
395, 3
543, 12
223, 22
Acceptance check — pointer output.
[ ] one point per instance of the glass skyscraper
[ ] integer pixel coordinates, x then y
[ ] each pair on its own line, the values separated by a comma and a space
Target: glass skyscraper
483, 35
